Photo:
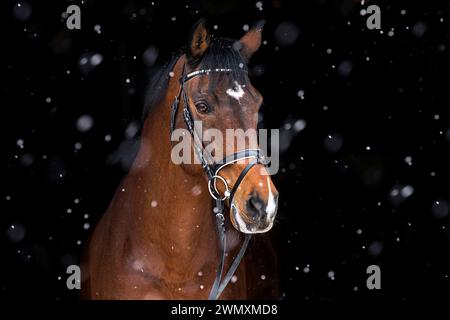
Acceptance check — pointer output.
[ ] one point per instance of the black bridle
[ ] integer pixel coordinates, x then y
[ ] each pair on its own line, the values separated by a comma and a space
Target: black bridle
212, 170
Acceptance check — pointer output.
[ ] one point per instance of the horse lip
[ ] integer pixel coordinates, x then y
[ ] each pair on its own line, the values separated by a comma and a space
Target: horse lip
242, 226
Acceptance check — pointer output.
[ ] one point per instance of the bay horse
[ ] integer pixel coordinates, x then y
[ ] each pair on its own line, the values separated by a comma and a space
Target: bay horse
166, 234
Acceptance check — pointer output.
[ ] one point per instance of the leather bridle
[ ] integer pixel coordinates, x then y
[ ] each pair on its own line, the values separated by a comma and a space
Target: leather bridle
212, 170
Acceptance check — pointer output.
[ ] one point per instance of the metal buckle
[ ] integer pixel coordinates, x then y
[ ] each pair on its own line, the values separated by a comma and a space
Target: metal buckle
262, 159
220, 217
211, 192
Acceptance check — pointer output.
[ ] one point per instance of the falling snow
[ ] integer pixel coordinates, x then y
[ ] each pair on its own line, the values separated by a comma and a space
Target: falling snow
20, 143
85, 123
408, 160
331, 275
363, 143
98, 29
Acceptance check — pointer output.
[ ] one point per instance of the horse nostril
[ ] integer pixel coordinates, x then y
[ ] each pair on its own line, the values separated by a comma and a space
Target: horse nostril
255, 206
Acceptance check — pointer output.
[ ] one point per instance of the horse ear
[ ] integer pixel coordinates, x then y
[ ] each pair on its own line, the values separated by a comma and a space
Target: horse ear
199, 40
251, 41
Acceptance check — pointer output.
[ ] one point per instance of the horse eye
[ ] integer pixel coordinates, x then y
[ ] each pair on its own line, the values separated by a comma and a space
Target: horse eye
202, 107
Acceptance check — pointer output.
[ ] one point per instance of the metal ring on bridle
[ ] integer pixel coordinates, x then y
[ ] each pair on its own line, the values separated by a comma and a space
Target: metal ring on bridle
226, 194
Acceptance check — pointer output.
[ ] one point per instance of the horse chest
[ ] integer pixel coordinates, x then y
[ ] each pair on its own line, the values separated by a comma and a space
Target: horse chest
195, 285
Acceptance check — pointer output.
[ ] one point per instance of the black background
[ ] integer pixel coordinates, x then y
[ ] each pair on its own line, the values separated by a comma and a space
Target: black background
385, 91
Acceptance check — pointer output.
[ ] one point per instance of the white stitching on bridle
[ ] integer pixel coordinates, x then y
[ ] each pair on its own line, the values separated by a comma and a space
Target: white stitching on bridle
206, 71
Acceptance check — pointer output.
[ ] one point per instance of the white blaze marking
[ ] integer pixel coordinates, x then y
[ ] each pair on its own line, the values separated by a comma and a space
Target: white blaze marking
237, 92
271, 205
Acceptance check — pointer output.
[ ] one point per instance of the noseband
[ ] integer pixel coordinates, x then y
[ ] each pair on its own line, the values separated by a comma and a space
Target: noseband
212, 170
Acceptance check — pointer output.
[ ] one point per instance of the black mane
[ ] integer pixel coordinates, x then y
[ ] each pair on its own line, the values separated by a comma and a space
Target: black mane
221, 53
158, 84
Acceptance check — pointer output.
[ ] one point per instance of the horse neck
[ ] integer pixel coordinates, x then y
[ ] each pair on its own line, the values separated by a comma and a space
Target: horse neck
176, 212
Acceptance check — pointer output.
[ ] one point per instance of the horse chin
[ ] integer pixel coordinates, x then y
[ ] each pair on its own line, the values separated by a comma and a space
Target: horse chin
240, 225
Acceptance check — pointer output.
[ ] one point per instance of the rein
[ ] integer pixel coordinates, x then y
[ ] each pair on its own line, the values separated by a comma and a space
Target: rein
212, 170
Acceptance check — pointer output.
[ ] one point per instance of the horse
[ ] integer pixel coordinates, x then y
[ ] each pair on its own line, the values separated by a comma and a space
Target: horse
172, 229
